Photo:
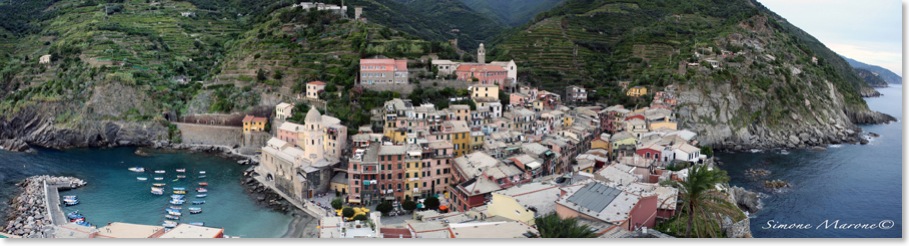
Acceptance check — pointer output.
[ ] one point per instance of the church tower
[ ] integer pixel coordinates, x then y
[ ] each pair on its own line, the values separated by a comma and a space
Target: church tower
481, 54
313, 146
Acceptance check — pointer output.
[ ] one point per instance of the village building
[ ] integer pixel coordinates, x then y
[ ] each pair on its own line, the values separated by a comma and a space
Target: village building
637, 91
254, 124
313, 89
383, 72
283, 111
604, 203
576, 94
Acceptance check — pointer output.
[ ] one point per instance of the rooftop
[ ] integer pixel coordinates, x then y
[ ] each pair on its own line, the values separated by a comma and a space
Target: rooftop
191, 231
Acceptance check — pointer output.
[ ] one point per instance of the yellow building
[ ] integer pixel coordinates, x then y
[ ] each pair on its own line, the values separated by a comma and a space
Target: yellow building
254, 124
393, 131
477, 139
666, 125
458, 134
484, 91
567, 121
412, 175
637, 91
513, 203
601, 143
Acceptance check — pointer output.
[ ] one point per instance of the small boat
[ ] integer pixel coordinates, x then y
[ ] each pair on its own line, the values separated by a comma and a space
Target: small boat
175, 180
70, 201
83, 223
201, 195
175, 207
200, 202
74, 215
69, 197
172, 217
181, 176
177, 202
784, 152
177, 197
181, 170
160, 171
193, 210
169, 224
201, 172
142, 178
180, 188
180, 192
197, 223
159, 178
137, 169
201, 190
202, 176
159, 184
157, 191
203, 183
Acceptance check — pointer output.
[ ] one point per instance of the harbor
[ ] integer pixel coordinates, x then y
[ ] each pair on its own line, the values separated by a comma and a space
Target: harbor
117, 195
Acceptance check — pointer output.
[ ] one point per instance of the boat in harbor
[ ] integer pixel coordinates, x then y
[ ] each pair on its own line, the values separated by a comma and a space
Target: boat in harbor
199, 202
70, 201
172, 217
202, 176
201, 190
177, 202
181, 170
180, 188
180, 192
159, 184
159, 178
203, 184
74, 216
201, 195
142, 178
178, 197
137, 169
194, 210
157, 191
181, 176
169, 224
201, 172
175, 207
160, 171
197, 223
83, 223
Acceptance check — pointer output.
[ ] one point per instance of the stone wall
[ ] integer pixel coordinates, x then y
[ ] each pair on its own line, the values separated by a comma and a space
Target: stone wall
405, 90
196, 134
31, 212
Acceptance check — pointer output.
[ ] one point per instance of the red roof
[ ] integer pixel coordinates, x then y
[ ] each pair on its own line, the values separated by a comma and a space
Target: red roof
385, 65
395, 233
250, 118
480, 68
316, 83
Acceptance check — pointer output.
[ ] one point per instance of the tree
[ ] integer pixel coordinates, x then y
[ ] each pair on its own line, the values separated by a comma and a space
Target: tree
432, 203
409, 205
260, 75
360, 217
384, 207
347, 212
702, 204
552, 226
278, 75
337, 203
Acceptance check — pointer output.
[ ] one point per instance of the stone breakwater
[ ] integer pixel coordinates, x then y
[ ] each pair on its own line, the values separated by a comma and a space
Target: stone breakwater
29, 213
263, 195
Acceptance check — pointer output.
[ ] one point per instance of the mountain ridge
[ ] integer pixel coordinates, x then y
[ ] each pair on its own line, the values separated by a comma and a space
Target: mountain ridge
885, 74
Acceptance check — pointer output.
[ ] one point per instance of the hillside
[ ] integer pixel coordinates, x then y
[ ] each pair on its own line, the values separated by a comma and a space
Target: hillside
766, 90
873, 79
120, 69
884, 73
438, 20
511, 12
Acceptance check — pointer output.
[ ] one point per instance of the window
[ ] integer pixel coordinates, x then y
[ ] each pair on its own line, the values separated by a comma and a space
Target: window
399, 165
399, 176
438, 172
399, 186
407, 175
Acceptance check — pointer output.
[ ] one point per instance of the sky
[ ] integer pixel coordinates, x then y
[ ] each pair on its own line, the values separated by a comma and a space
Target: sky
870, 31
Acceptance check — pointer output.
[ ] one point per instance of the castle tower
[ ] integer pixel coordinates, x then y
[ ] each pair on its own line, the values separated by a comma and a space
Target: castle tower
481, 54
313, 146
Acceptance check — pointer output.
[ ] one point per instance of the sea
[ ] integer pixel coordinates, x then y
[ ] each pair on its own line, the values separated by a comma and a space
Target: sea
832, 191
114, 194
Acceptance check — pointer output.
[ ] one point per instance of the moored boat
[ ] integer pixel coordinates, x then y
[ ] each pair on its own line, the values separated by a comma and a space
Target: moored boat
175, 207
160, 171
181, 176
180, 192
199, 202
142, 178
83, 223
197, 223
201, 190
74, 215
201, 195
172, 217
159, 184
159, 178
157, 191
202, 176
169, 224
201, 172
203, 183
178, 197
180, 188
181, 170
194, 210
137, 169
177, 202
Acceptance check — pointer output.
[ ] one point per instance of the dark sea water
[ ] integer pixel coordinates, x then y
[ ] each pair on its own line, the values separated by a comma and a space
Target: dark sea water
849, 183
113, 193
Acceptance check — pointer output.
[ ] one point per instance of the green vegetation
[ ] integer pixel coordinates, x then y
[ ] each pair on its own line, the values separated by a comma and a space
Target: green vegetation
552, 226
703, 206
360, 217
511, 12
432, 203
385, 207
409, 205
337, 203
347, 212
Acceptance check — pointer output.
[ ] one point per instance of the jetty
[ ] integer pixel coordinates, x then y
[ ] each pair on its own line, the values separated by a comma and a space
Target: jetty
36, 211
308, 207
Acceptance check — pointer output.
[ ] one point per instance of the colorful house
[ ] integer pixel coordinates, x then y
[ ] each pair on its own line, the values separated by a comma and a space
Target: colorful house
254, 124
637, 91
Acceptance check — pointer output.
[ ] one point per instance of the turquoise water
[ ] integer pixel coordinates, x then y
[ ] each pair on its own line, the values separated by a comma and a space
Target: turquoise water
113, 193
850, 183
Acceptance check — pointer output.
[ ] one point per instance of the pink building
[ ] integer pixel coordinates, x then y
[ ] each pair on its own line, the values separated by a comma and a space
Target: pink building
383, 71
290, 132
485, 74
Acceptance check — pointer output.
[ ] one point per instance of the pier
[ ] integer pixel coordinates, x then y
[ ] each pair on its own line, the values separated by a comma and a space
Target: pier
315, 211
52, 203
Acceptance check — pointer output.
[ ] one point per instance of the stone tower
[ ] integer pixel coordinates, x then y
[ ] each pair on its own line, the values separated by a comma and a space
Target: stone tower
358, 11
313, 146
481, 54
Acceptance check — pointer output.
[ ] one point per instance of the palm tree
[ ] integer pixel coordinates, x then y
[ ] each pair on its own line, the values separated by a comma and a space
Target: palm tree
704, 205
552, 226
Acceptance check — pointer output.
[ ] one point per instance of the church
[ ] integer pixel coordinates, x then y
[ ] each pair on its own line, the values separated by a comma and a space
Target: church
501, 73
